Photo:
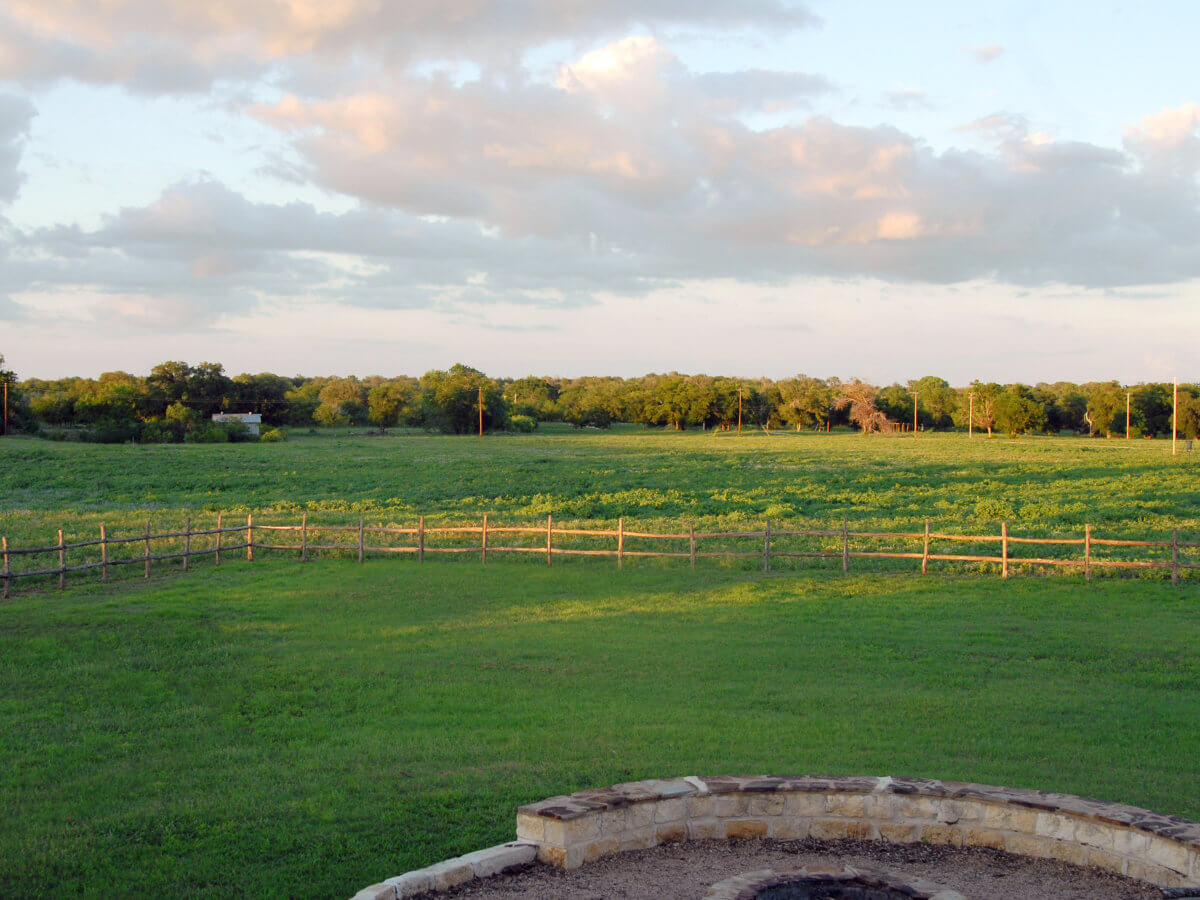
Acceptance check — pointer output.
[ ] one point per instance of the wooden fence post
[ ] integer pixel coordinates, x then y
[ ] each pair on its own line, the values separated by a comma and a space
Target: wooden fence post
304, 537
1004, 549
146, 573
692, 544
62, 562
845, 547
103, 555
925, 553
1174, 556
549, 537
7, 571
249, 537
620, 542
1087, 551
187, 542
360, 538
217, 555
483, 541
767, 547
421, 540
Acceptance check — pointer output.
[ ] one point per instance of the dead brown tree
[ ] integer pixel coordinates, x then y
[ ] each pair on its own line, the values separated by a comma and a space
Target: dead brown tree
860, 397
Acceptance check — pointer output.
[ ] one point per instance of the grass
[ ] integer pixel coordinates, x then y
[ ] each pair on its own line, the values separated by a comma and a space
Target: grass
276, 730
284, 730
1049, 483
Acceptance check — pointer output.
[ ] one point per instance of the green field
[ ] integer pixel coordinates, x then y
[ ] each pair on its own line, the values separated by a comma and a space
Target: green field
277, 729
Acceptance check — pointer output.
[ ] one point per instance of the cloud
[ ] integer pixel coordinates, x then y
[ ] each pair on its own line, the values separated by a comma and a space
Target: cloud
907, 98
15, 115
152, 46
984, 54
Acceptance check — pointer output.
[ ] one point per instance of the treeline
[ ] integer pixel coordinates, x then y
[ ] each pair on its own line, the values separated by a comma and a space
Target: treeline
176, 401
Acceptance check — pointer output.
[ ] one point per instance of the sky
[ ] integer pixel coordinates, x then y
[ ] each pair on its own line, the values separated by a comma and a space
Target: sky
1007, 191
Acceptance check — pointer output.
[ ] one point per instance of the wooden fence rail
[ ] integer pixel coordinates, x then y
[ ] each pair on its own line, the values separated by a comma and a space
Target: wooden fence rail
770, 548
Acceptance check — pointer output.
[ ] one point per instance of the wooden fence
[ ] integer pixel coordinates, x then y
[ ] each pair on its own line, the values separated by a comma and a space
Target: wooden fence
480, 539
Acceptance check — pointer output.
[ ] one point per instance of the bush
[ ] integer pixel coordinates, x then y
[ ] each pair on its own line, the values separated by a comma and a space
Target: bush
160, 433
273, 436
111, 431
218, 433
523, 424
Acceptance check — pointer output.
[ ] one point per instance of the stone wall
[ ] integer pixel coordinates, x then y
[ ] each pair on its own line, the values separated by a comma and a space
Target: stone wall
571, 830
576, 828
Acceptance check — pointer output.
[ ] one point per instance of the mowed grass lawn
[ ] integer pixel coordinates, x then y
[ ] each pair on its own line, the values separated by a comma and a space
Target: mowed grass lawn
277, 729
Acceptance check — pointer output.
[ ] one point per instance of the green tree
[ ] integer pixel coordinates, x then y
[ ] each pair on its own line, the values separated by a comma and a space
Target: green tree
1017, 412
450, 400
1104, 401
804, 401
392, 402
343, 402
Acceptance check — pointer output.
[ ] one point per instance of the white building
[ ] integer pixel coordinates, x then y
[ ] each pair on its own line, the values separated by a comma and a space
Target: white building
252, 421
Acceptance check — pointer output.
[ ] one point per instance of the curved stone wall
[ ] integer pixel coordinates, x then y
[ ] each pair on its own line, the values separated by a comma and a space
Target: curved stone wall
573, 829
576, 828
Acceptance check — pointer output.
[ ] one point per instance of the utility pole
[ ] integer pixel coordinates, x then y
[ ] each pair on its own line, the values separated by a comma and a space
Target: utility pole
1175, 416
6, 408
971, 414
915, 396
739, 412
1128, 395
481, 410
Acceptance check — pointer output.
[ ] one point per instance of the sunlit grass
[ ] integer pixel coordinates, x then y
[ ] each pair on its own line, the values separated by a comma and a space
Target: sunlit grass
270, 729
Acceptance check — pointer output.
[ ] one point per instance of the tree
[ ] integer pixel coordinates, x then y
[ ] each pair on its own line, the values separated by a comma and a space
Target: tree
1105, 401
937, 402
391, 402
981, 411
859, 398
343, 402
804, 401
450, 400
532, 396
1017, 412
17, 414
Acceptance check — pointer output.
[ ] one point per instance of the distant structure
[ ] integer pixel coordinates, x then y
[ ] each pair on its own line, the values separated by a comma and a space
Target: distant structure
252, 421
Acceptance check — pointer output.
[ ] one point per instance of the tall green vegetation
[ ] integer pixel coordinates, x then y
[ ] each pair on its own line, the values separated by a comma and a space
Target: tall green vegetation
117, 405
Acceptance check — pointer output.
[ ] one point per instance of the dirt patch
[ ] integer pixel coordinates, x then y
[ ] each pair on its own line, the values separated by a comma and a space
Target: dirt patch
685, 872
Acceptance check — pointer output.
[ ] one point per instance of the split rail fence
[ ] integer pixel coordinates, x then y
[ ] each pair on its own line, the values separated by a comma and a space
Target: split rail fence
768, 544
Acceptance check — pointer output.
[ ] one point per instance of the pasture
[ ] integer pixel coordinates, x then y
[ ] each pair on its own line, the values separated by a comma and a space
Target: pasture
273, 729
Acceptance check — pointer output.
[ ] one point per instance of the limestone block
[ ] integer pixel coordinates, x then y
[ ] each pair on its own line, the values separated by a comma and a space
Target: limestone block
501, 858
614, 821
745, 828
1011, 818
447, 874
642, 839
552, 856
972, 810
853, 806
788, 828
670, 810
1103, 859
942, 834
1156, 875
974, 836
705, 830
804, 803
412, 883
641, 815
1097, 834
764, 804
1128, 842
898, 833
602, 847
531, 828
916, 807
585, 828
729, 806
671, 833
950, 811
376, 892
700, 807
839, 829
554, 831
1169, 854
1058, 827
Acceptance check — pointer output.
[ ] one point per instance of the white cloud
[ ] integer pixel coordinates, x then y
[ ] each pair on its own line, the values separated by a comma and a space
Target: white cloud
985, 53
15, 115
